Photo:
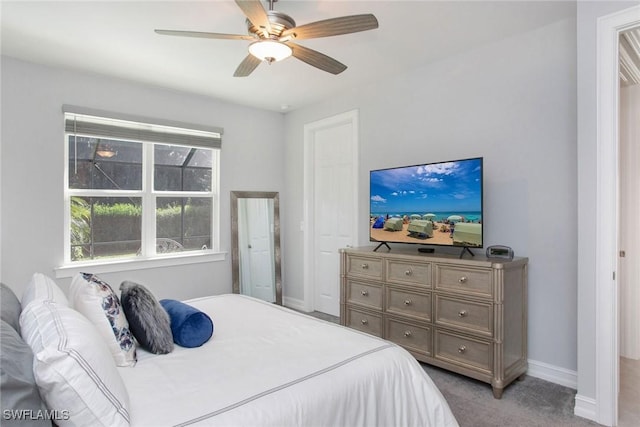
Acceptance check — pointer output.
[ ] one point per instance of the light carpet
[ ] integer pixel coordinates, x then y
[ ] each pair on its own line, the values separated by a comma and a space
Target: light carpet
531, 402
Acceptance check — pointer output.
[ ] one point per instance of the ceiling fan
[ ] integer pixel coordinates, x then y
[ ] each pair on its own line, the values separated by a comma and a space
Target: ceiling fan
272, 34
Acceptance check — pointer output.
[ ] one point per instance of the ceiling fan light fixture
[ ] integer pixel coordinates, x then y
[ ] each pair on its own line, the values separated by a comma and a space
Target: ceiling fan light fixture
270, 50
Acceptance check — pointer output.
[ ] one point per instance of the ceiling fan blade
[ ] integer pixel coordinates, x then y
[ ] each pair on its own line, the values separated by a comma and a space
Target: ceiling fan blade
246, 67
317, 59
333, 27
256, 14
205, 35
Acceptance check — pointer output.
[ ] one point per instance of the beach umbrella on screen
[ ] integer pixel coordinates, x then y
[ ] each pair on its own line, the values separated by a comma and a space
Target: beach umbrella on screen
454, 218
429, 216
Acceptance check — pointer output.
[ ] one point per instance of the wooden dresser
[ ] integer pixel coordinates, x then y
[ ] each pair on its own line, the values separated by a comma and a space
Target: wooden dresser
465, 315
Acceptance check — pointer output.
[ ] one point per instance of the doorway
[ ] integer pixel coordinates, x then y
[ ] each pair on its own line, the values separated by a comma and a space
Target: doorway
330, 206
629, 260
607, 205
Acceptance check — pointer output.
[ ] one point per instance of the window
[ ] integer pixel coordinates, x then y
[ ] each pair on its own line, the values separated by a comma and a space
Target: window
136, 188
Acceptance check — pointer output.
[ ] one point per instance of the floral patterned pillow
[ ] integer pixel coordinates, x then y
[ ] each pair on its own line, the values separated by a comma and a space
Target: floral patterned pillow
97, 301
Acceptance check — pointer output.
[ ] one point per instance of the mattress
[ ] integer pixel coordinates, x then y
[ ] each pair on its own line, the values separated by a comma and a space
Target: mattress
270, 366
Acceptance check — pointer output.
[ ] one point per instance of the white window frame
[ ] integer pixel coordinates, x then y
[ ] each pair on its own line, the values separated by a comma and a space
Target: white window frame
148, 257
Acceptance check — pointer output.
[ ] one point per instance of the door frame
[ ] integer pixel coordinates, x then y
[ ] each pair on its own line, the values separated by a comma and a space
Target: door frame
308, 220
608, 96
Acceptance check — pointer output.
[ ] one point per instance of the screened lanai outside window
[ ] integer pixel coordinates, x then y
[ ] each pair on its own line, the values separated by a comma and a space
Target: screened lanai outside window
183, 219
132, 199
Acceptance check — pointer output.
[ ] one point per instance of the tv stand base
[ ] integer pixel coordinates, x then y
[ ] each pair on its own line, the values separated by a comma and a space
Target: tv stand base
466, 249
382, 244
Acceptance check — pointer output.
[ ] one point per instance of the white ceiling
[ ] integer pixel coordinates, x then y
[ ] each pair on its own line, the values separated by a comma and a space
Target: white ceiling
117, 39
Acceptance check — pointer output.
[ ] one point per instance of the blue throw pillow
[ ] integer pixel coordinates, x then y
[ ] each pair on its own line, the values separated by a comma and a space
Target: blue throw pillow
190, 326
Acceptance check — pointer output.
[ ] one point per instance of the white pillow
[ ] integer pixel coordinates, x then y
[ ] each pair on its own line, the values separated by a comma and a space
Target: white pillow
73, 367
99, 303
41, 287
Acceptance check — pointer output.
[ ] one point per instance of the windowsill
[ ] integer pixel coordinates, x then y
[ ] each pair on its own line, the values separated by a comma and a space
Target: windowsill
113, 266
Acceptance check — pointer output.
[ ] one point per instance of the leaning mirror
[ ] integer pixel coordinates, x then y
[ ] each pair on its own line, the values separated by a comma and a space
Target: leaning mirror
255, 245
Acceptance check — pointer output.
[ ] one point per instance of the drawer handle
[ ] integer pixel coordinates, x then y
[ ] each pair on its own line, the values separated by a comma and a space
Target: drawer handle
407, 302
463, 279
365, 266
364, 321
409, 272
462, 349
462, 313
364, 293
407, 334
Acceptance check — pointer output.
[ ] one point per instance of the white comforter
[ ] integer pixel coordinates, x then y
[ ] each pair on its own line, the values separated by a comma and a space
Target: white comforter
269, 366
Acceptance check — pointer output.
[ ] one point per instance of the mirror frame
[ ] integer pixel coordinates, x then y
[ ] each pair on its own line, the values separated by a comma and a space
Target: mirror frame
235, 253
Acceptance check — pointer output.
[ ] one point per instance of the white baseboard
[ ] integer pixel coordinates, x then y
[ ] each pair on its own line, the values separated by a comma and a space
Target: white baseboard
294, 303
585, 407
554, 374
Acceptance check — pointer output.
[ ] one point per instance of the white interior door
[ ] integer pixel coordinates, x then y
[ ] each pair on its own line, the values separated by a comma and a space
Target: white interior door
258, 252
331, 146
605, 406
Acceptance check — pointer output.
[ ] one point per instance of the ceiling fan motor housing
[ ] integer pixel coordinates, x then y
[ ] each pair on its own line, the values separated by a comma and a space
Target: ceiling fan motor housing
279, 23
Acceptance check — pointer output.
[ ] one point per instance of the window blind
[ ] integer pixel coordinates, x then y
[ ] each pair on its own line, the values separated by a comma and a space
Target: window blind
95, 123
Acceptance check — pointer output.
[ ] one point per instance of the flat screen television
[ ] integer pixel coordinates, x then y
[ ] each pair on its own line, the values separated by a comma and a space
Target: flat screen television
431, 204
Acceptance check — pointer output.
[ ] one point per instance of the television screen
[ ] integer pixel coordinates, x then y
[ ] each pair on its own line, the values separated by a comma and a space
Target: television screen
434, 204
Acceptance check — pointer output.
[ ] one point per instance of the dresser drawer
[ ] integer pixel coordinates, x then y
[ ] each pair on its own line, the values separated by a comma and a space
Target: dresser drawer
467, 280
412, 337
404, 272
358, 266
364, 321
366, 294
408, 303
461, 314
469, 352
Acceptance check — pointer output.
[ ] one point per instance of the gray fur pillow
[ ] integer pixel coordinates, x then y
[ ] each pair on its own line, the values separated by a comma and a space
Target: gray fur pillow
148, 321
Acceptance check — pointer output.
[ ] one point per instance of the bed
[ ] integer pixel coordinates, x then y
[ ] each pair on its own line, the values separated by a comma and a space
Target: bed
266, 365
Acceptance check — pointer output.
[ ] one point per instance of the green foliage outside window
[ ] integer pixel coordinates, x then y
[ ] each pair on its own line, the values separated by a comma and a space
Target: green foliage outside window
121, 222
80, 225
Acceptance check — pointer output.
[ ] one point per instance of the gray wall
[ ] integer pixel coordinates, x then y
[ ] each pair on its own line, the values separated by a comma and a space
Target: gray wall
587, 15
33, 160
512, 102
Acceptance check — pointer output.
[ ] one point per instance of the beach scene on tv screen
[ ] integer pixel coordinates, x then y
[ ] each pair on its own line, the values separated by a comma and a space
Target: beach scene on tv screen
435, 204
